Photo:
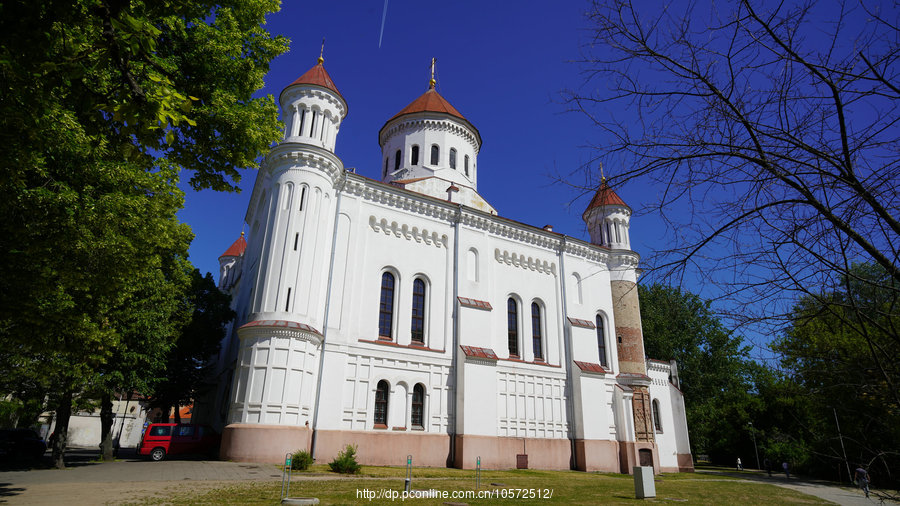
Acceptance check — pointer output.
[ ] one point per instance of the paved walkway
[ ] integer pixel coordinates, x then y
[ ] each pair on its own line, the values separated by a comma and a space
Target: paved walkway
128, 479
847, 496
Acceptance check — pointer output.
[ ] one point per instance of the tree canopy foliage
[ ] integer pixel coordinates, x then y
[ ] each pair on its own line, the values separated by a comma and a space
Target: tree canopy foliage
827, 352
103, 104
713, 365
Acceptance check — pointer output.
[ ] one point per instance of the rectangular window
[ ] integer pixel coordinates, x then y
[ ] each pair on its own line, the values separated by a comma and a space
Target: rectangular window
601, 341
415, 155
418, 312
386, 306
512, 326
537, 343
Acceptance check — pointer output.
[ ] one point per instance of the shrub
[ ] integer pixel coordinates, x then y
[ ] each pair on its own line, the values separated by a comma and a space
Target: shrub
301, 460
345, 462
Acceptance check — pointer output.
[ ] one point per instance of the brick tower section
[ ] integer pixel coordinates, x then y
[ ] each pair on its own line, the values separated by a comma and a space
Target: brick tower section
630, 346
629, 339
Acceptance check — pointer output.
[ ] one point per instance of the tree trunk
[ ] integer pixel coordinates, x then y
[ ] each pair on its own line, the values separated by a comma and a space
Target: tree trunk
107, 417
177, 413
61, 437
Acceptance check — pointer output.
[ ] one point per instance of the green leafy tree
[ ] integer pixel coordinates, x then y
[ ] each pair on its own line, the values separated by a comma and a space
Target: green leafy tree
185, 374
103, 103
850, 368
712, 366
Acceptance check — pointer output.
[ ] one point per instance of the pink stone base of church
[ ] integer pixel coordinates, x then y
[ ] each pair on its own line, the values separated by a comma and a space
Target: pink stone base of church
385, 448
502, 452
270, 443
262, 443
594, 455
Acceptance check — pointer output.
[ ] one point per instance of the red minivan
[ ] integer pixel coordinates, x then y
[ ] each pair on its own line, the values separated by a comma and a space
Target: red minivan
162, 439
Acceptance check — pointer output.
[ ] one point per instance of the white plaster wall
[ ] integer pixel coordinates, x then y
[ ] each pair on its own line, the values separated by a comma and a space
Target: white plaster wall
672, 439
276, 378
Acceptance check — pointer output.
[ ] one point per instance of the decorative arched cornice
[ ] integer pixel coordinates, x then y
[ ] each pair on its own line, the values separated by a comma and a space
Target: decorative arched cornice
423, 235
295, 93
415, 122
280, 328
524, 262
288, 155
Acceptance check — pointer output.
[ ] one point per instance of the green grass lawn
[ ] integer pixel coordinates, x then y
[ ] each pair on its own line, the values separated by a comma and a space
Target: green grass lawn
569, 487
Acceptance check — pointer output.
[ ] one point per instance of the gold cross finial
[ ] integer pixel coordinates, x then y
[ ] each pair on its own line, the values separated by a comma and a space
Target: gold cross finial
431, 83
322, 52
602, 177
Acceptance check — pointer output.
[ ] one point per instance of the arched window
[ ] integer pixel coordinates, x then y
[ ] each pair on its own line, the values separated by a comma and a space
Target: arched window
435, 154
536, 341
397, 156
386, 307
417, 418
381, 403
466, 164
418, 311
452, 158
601, 341
415, 156
656, 421
512, 326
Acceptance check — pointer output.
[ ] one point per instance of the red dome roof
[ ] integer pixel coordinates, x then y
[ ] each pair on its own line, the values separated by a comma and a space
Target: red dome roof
236, 249
319, 77
605, 196
430, 101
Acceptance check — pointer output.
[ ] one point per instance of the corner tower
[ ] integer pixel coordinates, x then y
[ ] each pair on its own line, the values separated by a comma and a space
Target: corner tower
608, 221
291, 216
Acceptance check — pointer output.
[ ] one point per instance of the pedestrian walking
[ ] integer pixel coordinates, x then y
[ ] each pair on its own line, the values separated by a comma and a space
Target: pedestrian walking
861, 477
787, 470
740, 467
768, 464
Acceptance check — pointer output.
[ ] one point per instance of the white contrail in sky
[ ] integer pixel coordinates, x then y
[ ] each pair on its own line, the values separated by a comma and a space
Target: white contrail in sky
383, 16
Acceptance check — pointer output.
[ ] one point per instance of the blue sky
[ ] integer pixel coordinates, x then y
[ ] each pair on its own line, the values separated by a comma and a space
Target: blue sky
502, 65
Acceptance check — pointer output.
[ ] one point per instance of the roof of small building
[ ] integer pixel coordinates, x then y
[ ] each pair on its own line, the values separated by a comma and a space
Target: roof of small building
319, 77
605, 196
237, 248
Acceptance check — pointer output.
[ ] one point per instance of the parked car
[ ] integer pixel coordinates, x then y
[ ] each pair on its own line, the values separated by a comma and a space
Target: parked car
21, 444
163, 439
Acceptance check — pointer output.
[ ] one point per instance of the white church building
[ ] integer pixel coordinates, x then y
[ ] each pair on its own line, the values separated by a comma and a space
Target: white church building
407, 317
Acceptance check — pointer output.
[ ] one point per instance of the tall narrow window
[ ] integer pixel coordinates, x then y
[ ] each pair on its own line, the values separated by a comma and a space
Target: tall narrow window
386, 160
435, 154
466, 164
287, 304
415, 156
312, 127
657, 423
608, 233
618, 226
512, 326
536, 331
418, 311
386, 307
302, 196
397, 160
452, 158
417, 417
381, 403
601, 341
296, 239
302, 121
